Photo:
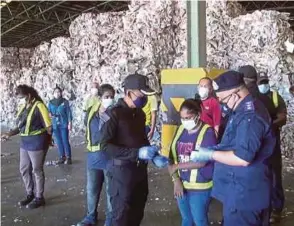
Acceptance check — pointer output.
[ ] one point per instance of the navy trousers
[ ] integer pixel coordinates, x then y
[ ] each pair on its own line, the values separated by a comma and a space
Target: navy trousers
128, 191
235, 217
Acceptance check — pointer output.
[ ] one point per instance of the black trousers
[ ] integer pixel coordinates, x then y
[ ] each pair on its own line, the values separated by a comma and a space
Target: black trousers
128, 191
278, 198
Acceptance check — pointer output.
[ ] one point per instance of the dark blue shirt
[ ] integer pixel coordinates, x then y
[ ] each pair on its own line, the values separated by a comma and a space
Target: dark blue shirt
97, 159
40, 120
186, 144
249, 135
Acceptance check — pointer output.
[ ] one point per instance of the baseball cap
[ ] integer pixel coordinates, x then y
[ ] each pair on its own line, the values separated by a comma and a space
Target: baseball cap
263, 78
140, 82
248, 71
228, 80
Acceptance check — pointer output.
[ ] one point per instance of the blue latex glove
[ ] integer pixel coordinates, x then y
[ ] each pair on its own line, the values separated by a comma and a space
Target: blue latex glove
160, 161
202, 155
148, 152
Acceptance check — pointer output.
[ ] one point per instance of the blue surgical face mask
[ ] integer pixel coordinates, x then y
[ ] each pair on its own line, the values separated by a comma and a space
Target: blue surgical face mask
264, 88
140, 102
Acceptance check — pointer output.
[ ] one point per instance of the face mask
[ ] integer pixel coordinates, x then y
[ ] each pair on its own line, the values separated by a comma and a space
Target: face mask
22, 101
57, 95
106, 103
140, 102
94, 91
190, 124
264, 88
203, 93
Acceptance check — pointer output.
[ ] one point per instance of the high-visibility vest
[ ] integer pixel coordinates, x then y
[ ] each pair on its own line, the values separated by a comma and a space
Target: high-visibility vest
192, 183
92, 112
27, 131
275, 98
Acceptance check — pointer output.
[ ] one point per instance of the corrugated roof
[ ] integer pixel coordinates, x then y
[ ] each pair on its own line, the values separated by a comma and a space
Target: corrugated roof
25, 24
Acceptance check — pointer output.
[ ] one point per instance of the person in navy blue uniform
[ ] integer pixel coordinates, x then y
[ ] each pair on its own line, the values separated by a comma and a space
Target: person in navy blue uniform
95, 118
61, 115
242, 177
122, 137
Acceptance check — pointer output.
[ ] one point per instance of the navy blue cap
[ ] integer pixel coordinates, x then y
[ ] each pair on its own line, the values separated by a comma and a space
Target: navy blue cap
140, 82
228, 80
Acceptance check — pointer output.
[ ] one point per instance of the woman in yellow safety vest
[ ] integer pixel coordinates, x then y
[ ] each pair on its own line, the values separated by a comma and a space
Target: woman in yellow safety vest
192, 181
34, 126
95, 118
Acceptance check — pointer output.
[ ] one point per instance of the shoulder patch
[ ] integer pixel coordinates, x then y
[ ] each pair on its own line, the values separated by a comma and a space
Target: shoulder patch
249, 106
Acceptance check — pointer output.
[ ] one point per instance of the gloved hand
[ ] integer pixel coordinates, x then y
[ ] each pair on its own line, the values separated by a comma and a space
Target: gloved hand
148, 152
202, 155
160, 161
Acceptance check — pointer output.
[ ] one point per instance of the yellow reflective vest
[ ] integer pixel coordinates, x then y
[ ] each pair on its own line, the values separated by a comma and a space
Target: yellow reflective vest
28, 128
92, 147
192, 183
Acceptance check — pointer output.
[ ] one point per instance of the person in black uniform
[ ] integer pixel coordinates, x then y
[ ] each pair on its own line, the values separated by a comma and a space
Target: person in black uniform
122, 136
279, 119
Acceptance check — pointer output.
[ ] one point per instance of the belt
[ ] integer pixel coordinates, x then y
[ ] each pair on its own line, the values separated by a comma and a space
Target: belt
119, 162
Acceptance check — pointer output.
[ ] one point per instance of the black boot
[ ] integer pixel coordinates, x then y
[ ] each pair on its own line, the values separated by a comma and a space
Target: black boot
26, 201
276, 217
68, 161
36, 203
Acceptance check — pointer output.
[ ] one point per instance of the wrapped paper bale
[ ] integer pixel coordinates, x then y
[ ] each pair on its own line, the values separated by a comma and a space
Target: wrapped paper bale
257, 39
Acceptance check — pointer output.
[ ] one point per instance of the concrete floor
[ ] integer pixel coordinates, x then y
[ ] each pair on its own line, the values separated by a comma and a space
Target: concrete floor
65, 194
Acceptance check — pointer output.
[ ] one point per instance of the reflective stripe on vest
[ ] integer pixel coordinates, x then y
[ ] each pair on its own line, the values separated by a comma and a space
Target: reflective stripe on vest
192, 183
275, 98
90, 147
27, 131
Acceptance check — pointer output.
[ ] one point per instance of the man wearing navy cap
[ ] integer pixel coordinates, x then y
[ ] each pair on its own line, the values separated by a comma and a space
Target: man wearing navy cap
122, 136
242, 179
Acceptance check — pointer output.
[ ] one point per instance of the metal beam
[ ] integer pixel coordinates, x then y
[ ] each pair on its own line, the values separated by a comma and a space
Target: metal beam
62, 21
28, 19
22, 12
196, 31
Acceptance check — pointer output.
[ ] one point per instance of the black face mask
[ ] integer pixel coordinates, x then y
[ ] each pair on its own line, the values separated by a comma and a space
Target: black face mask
140, 102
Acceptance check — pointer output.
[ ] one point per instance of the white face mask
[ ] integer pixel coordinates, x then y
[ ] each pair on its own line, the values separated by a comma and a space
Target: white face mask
106, 103
189, 124
94, 91
203, 92
264, 88
22, 101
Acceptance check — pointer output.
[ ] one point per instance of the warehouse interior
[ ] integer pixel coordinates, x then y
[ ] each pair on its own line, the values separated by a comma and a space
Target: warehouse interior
73, 43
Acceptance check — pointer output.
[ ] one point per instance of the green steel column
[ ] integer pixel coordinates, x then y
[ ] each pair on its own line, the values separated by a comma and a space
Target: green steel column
196, 31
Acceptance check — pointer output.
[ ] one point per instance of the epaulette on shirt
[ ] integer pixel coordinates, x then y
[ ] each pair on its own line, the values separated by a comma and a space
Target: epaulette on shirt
249, 106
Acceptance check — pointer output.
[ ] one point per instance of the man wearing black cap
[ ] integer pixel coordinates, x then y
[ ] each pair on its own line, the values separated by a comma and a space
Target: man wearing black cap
250, 79
279, 118
123, 134
242, 179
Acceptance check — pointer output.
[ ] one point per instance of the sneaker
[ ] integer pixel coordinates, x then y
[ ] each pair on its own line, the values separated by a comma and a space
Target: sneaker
68, 161
276, 217
36, 203
26, 201
85, 223
61, 161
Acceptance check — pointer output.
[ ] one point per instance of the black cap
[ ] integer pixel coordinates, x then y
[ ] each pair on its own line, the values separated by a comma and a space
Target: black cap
228, 80
140, 82
262, 78
248, 71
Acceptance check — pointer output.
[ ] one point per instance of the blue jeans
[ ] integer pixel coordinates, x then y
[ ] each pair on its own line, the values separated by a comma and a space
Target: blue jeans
95, 179
194, 208
62, 140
